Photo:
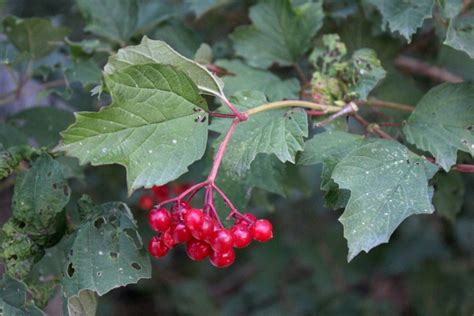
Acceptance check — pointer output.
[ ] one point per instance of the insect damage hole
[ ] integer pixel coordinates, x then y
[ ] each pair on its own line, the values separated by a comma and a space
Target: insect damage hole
70, 270
136, 266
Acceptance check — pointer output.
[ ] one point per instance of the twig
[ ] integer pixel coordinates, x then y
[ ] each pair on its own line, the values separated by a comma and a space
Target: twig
418, 67
223, 115
386, 104
349, 108
301, 74
371, 127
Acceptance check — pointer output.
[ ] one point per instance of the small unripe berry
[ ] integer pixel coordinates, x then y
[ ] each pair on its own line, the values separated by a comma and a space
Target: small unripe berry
262, 230
197, 249
222, 240
222, 259
157, 248
242, 236
193, 219
159, 219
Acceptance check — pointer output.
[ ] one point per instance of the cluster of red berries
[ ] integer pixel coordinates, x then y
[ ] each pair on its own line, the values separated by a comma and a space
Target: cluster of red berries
161, 193
203, 235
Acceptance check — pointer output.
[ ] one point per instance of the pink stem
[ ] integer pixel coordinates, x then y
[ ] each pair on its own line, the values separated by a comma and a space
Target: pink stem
192, 189
220, 152
464, 168
223, 115
227, 201
241, 116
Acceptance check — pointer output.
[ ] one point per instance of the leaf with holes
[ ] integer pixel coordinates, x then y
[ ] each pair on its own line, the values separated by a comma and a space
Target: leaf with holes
461, 34
115, 20
242, 76
35, 37
151, 51
107, 252
404, 17
329, 148
443, 122
40, 195
388, 183
278, 132
156, 126
368, 72
280, 32
14, 299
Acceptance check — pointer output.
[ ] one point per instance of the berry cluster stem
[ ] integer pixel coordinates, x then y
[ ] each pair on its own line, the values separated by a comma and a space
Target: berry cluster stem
221, 151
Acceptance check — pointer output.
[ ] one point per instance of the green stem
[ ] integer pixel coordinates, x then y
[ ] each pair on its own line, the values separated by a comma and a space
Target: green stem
292, 103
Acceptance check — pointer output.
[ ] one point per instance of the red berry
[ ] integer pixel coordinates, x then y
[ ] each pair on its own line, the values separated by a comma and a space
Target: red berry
159, 219
193, 219
180, 233
262, 230
223, 259
157, 248
206, 230
168, 239
161, 192
146, 202
197, 249
248, 219
242, 236
222, 240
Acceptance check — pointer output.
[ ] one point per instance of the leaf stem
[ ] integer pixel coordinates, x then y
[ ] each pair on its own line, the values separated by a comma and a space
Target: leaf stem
293, 103
349, 108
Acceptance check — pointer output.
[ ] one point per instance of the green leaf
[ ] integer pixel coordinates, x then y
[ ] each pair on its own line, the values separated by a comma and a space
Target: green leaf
112, 19
278, 132
243, 77
40, 195
280, 33
404, 17
11, 136
461, 34
151, 51
329, 148
368, 72
84, 71
107, 252
155, 126
34, 36
179, 36
450, 8
42, 124
388, 183
84, 304
449, 194
200, 7
267, 172
14, 299
443, 122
